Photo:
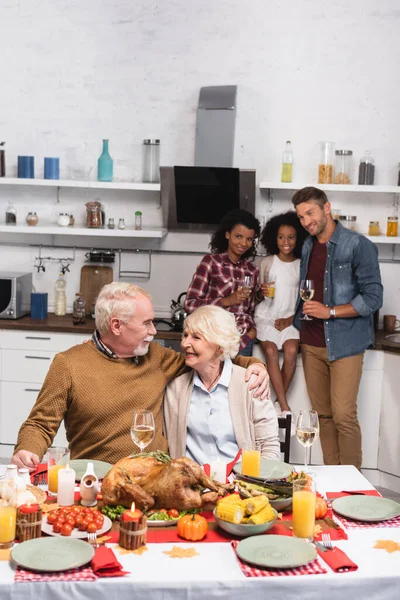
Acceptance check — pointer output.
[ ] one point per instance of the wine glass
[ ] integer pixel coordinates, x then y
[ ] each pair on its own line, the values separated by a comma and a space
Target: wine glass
143, 429
306, 293
307, 430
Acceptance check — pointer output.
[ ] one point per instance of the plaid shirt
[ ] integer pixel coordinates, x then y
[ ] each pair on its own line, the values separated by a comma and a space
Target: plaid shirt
217, 277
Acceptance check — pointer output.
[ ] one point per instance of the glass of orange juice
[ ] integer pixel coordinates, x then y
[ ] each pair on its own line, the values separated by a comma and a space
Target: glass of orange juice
251, 462
304, 497
57, 458
8, 513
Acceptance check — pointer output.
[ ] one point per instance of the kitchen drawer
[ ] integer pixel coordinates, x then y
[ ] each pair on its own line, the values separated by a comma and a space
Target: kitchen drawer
17, 399
25, 365
36, 340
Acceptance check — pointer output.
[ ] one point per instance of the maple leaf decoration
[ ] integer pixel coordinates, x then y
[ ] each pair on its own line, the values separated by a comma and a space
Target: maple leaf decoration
138, 551
177, 552
388, 545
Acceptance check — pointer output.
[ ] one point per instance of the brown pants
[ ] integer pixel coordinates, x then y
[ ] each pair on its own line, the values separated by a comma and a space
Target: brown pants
333, 388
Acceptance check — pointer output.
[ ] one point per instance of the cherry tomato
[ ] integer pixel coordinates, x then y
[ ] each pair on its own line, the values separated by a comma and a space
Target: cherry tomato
66, 529
78, 521
52, 517
173, 513
57, 527
71, 521
99, 521
84, 525
61, 519
92, 527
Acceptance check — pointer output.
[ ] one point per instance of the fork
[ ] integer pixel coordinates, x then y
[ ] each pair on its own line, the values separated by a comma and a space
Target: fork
326, 541
42, 484
92, 539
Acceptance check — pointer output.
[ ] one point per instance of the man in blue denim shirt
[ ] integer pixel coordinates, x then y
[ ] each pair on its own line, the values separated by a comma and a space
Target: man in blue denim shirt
347, 291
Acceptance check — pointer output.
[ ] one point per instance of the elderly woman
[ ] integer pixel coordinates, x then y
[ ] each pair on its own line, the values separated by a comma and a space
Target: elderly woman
208, 412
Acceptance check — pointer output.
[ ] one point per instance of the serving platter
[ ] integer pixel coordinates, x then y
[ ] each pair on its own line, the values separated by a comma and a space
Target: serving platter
52, 554
76, 534
366, 508
270, 470
79, 465
162, 523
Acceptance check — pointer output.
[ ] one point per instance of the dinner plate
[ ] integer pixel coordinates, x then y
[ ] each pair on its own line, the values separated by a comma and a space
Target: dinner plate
269, 469
276, 551
76, 534
366, 508
52, 554
79, 465
162, 523
281, 503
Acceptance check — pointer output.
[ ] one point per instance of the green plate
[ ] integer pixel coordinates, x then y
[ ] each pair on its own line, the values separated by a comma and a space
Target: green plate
101, 468
366, 508
52, 554
276, 551
269, 469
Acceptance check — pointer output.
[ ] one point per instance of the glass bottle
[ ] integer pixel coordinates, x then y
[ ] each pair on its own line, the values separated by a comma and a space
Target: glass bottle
79, 310
374, 228
343, 166
11, 214
138, 220
366, 170
325, 168
151, 161
287, 163
2, 160
32, 219
60, 303
105, 164
392, 229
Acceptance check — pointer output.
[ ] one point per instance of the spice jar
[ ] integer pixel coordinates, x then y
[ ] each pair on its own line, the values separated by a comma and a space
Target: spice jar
63, 220
343, 166
79, 310
392, 226
374, 228
32, 219
121, 224
348, 221
366, 170
325, 168
93, 214
111, 223
138, 220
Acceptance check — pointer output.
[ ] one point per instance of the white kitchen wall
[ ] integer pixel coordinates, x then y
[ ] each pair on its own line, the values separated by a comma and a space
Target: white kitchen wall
75, 72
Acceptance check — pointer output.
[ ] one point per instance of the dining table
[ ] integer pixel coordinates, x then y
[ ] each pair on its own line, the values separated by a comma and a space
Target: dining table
214, 570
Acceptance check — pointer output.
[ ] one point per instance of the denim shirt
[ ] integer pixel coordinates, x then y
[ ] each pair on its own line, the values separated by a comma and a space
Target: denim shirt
352, 276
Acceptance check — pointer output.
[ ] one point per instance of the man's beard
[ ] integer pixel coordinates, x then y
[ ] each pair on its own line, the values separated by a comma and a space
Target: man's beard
142, 350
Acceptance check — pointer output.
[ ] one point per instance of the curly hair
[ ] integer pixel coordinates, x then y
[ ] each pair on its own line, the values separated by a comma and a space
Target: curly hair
270, 232
219, 243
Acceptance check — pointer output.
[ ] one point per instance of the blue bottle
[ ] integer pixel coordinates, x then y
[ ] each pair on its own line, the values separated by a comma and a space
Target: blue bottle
105, 164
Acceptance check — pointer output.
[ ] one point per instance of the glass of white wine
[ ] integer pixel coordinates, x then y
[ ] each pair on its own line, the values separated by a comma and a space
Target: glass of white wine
143, 429
307, 430
306, 293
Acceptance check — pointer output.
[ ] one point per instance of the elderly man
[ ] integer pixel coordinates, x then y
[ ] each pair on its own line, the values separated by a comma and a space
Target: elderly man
96, 387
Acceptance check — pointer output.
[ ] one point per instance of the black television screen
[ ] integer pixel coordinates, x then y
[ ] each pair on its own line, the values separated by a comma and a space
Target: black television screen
205, 194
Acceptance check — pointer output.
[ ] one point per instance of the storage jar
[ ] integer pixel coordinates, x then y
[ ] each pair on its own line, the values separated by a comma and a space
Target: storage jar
325, 168
151, 161
349, 221
32, 219
343, 166
374, 228
366, 170
392, 227
63, 220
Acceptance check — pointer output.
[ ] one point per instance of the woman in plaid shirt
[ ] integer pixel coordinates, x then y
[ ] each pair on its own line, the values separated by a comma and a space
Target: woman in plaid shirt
220, 277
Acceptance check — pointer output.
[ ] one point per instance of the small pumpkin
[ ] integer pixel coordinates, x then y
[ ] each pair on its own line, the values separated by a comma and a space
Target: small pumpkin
321, 508
192, 527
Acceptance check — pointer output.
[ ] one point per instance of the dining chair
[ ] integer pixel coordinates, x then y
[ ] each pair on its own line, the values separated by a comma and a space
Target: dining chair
285, 424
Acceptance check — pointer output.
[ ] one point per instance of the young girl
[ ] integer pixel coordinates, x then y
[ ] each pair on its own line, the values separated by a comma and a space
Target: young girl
228, 276
283, 237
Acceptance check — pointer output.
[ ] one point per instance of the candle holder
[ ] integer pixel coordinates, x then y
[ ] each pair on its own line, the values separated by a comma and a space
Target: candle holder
132, 534
29, 524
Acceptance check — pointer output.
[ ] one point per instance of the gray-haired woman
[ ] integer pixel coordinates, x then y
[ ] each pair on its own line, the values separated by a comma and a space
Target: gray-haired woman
209, 414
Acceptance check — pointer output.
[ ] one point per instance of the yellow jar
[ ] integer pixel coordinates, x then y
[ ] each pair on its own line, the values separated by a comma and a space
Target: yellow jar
392, 227
373, 228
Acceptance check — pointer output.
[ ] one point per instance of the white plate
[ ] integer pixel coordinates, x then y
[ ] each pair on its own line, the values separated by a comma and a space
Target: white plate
162, 523
47, 528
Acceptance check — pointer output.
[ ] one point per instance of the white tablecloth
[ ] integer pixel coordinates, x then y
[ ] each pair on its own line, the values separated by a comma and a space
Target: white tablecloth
215, 572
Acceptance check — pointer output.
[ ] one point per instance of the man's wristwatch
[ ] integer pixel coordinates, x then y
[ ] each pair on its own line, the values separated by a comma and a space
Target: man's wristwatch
332, 312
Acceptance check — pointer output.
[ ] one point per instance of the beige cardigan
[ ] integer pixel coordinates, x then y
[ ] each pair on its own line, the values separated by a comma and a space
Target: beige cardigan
254, 421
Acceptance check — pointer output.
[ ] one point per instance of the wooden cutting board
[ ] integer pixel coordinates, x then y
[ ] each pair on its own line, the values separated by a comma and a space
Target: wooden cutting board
93, 278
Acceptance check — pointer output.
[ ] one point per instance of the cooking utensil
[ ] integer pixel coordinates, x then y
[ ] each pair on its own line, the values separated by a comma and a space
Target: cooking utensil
178, 312
93, 278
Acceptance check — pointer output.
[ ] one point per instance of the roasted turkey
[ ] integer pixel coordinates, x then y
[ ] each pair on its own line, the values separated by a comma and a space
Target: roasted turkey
153, 480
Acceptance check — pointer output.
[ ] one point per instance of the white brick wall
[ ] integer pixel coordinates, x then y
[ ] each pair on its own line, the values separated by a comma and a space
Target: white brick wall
73, 72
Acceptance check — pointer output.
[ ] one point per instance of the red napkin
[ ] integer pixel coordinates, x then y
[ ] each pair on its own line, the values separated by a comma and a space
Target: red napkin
105, 564
41, 468
338, 560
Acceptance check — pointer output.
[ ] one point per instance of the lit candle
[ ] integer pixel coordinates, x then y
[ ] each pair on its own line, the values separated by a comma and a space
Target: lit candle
218, 471
28, 509
133, 514
66, 486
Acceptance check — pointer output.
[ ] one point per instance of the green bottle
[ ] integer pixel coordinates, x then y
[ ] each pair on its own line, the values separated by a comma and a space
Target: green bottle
105, 164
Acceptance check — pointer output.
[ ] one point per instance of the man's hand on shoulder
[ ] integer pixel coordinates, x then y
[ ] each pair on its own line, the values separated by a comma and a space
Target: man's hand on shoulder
260, 383
25, 459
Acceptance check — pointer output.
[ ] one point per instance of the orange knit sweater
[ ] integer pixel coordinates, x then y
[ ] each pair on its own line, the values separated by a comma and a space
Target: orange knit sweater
97, 396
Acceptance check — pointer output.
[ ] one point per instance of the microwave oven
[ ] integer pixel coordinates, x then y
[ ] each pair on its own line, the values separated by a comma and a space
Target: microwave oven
15, 294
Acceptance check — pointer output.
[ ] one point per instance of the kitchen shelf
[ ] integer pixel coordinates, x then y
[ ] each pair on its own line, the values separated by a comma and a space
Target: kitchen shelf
331, 187
128, 232
383, 239
91, 185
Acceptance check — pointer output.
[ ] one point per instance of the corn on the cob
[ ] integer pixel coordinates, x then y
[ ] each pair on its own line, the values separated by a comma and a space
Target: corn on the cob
233, 513
231, 499
254, 505
265, 515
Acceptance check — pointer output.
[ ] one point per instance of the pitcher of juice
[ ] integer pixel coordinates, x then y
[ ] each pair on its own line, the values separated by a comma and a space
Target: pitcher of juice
304, 498
57, 458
